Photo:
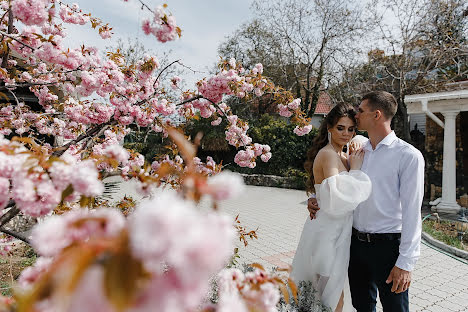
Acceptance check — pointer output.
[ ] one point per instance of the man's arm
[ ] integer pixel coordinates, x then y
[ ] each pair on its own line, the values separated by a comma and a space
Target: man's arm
411, 195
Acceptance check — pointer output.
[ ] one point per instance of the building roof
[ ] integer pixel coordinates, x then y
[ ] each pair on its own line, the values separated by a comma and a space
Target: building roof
324, 104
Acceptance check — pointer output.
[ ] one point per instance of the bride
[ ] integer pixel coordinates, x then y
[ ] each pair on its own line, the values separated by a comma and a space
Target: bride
322, 255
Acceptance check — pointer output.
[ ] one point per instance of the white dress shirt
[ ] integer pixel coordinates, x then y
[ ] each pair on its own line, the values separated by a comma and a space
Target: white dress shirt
396, 170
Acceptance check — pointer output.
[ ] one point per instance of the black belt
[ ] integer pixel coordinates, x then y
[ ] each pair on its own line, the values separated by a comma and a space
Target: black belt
374, 237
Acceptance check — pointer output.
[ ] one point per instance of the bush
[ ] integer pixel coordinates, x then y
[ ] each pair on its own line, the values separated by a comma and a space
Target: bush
288, 149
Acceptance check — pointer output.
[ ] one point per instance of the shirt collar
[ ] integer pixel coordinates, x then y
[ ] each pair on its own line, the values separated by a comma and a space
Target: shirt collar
389, 139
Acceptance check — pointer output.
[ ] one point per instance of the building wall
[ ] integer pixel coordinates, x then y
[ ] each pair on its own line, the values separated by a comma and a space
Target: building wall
316, 120
420, 121
433, 153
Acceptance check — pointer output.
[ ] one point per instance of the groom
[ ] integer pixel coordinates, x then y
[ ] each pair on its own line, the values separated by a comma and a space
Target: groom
387, 226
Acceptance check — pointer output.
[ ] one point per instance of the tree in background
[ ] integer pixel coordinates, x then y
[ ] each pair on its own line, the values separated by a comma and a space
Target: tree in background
300, 43
421, 49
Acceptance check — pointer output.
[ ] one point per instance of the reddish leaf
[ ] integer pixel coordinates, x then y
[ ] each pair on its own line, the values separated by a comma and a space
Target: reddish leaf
293, 287
257, 265
285, 292
121, 285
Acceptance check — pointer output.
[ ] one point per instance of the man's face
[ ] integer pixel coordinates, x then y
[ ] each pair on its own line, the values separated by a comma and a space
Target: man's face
364, 116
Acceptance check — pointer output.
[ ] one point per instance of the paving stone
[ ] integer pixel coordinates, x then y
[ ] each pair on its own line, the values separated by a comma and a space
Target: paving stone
440, 282
450, 306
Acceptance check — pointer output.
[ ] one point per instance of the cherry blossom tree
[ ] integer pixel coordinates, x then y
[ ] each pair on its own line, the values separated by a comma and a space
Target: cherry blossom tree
55, 153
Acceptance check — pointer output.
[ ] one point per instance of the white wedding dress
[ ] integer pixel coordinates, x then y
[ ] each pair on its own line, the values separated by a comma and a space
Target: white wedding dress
322, 255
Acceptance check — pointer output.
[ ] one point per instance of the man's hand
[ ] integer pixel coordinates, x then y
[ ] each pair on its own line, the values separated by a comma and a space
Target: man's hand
401, 280
313, 207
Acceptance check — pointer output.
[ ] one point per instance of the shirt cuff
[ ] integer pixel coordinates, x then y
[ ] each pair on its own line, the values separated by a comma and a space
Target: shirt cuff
406, 263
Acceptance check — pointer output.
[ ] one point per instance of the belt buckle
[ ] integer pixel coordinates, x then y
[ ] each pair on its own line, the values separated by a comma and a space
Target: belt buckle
364, 237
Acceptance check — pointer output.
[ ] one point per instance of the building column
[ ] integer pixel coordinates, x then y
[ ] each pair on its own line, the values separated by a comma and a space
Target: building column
448, 203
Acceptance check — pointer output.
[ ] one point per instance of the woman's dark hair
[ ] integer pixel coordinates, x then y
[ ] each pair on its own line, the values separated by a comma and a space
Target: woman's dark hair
321, 139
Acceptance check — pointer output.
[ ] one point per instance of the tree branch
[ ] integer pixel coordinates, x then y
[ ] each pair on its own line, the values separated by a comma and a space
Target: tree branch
13, 212
146, 6
160, 73
16, 235
12, 37
32, 84
197, 97
59, 152
10, 30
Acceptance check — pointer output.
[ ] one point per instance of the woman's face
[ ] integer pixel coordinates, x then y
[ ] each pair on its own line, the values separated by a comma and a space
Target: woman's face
343, 131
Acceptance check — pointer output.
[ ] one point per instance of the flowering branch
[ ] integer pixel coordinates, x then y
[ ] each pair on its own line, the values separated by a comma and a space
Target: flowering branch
197, 97
12, 37
16, 235
89, 133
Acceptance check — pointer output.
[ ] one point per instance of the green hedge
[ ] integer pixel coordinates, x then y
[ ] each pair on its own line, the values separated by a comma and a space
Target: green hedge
288, 149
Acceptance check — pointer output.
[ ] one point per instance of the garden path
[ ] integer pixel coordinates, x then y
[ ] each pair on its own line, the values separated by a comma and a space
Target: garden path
440, 283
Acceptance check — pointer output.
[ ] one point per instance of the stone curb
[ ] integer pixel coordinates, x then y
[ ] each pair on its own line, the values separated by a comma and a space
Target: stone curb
452, 250
272, 181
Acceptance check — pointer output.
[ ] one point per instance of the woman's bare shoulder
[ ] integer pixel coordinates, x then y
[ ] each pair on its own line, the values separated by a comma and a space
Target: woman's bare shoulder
326, 154
325, 164
326, 157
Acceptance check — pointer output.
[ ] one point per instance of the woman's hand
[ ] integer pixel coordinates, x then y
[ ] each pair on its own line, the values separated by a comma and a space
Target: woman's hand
354, 146
356, 143
355, 159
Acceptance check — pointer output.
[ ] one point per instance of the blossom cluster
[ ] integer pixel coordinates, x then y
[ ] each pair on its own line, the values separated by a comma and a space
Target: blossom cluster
167, 236
252, 291
162, 26
37, 184
247, 157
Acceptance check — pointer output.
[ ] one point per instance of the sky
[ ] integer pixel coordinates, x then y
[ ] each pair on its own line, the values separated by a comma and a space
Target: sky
204, 24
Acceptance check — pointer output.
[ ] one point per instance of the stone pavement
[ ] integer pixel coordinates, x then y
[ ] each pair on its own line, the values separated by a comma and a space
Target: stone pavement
440, 283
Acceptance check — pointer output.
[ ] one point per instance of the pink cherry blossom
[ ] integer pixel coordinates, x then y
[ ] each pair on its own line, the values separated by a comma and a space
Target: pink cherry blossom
216, 122
284, 111
72, 14
30, 274
31, 12
182, 238
245, 158
295, 104
57, 232
224, 185
302, 130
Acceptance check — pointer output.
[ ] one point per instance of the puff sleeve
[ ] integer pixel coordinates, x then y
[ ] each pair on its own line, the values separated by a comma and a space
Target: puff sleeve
340, 194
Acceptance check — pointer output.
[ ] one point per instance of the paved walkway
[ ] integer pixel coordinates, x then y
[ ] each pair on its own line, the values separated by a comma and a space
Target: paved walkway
440, 283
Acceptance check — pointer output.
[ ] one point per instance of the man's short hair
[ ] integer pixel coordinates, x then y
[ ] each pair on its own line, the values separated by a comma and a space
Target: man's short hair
383, 101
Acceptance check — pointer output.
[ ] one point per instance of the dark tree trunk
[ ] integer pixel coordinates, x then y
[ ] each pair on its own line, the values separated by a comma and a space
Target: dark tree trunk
401, 123
316, 91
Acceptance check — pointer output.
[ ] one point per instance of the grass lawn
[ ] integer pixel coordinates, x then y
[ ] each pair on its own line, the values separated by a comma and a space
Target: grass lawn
445, 232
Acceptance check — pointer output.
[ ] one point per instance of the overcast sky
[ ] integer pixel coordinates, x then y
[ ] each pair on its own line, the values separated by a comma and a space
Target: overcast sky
204, 23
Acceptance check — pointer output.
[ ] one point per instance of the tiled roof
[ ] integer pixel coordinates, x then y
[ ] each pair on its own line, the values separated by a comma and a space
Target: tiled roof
324, 104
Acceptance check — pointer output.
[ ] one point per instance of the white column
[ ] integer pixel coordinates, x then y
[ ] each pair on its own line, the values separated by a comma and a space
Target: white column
449, 182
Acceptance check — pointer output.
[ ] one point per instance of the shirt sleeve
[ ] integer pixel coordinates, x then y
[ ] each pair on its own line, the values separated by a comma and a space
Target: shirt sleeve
341, 193
411, 171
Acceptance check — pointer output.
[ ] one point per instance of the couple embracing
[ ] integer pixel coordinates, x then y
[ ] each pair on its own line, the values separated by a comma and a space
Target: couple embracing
364, 231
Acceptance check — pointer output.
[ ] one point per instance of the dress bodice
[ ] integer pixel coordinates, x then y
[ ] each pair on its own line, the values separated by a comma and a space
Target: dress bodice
340, 194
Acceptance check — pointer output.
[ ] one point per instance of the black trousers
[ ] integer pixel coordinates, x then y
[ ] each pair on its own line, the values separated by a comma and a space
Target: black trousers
369, 266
